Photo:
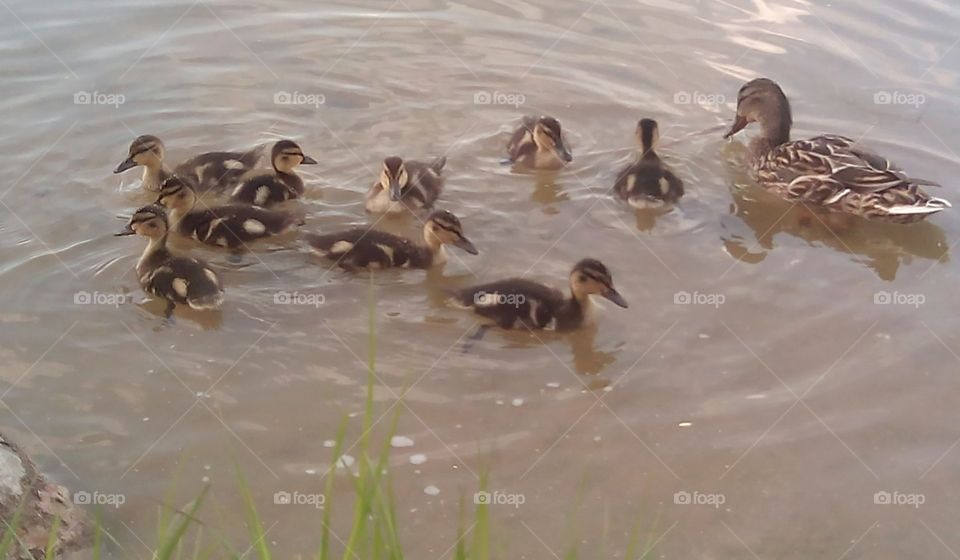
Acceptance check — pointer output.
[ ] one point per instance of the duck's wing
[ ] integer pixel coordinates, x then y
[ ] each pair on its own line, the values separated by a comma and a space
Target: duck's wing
522, 140
841, 161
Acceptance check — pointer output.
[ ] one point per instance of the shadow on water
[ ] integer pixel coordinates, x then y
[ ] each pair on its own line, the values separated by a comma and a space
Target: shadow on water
880, 247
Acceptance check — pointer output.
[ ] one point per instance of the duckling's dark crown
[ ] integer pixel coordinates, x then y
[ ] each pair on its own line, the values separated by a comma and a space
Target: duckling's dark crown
393, 164
145, 143
550, 124
287, 147
446, 220
595, 270
147, 213
172, 185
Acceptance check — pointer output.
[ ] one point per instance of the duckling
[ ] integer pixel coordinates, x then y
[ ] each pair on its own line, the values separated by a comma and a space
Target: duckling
231, 225
517, 302
829, 171
278, 185
538, 144
406, 184
204, 172
362, 248
648, 182
180, 280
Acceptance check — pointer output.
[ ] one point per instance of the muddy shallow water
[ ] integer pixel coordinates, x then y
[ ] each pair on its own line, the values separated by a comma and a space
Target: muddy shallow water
818, 368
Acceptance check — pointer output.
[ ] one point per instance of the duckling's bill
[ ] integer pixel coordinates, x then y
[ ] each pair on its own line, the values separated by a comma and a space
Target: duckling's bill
466, 245
615, 297
125, 164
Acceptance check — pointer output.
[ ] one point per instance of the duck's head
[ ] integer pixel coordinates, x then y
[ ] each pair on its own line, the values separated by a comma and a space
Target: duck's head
175, 194
146, 150
762, 101
287, 155
648, 135
548, 137
443, 228
591, 276
394, 177
149, 221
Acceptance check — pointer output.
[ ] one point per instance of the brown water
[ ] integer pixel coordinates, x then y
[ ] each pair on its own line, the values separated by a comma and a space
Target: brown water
804, 396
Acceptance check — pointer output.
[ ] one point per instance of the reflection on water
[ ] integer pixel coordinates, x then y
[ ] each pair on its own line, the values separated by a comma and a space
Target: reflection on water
879, 247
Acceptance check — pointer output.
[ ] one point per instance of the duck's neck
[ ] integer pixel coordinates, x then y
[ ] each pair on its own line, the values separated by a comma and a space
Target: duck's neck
577, 312
774, 131
153, 176
155, 252
434, 253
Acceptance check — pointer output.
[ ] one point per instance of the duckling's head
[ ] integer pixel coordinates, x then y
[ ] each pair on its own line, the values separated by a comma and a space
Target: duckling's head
146, 150
149, 221
762, 101
394, 177
591, 276
548, 137
287, 155
175, 194
443, 228
648, 135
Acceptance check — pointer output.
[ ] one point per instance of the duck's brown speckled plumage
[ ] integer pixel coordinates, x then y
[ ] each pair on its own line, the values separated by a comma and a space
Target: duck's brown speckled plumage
648, 182
419, 184
828, 171
178, 280
538, 143
360, 248
277, 185
230, 225
204, 172
517, 303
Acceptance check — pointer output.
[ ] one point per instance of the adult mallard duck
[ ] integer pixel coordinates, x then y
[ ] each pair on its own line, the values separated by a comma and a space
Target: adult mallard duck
406, 184
648, 182
538, 144
266, 188
521, 303
829, 171
211, 170
175, 279
361, 248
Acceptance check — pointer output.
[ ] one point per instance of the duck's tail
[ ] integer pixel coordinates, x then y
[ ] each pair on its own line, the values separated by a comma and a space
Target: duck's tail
931, 205
207, 302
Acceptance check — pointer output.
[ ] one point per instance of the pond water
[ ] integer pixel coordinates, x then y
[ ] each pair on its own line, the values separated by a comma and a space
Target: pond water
815, 367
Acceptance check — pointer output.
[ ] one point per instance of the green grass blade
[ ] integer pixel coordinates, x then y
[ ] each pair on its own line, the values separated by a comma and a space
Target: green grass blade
171, 538
254, 526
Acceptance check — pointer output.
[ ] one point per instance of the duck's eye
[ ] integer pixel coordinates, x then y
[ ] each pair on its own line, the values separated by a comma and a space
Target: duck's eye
581, 278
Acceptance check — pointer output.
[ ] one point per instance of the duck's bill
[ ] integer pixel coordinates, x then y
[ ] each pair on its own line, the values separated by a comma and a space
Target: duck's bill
615, 297
396, 193
307, 160
124, 165
739, 124
466, 245
564, 154
126, 231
